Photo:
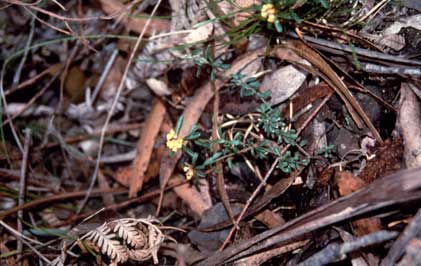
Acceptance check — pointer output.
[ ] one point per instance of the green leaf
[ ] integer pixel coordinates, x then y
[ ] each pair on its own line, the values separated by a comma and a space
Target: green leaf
193, 134
199, 173
203, 23
324, 3
211, 159
285, 16
188, 151
203, 143
264, 95
179, 124
229, 161
278, 26
295, 16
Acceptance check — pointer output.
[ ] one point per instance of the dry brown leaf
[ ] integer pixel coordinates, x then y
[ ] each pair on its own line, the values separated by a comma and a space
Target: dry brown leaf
113, 78
74, 84
348, 183
234, 8
394, 40
260, 258
136, 172
10, 261
108, 199
410, 123
270, 219
198, 201
113, 7
409, 21
159, 87
200, 34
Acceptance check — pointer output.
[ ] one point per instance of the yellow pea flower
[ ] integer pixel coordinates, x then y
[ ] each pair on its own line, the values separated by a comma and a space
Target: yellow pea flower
271, 18
188, 171
268, 12
173, 141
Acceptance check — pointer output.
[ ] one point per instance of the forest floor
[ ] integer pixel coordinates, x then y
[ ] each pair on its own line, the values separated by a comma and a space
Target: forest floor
190, 132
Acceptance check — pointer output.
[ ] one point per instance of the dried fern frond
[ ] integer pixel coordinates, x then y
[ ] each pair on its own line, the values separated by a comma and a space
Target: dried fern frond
104, 239
128, 231
124, 239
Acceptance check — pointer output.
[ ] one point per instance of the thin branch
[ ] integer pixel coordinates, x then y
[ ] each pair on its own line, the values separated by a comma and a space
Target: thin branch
334, 252
22, 188
25, 240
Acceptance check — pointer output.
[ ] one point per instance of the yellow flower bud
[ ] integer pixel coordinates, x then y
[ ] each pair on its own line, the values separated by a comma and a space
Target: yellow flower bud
188, 171
173, 141
268, 12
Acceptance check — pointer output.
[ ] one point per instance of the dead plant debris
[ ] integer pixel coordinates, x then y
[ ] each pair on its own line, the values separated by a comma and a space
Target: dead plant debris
190, 132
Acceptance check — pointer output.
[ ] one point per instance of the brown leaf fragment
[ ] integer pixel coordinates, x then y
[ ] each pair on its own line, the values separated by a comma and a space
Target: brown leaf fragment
136, 172
260, 258
394, 41
197, 200
74, 84
307, 95
347, 184
270, 218
103, 184
10, 261
113, 7
410, 123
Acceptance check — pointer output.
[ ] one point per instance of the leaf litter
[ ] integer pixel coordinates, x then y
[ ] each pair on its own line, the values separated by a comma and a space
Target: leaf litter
245, 132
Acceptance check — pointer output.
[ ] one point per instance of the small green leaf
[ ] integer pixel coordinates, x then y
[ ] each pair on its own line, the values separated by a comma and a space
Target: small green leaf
203, 23
179, 124
324, 3
229, 161
188, 151
203, 143
278, 26
193, 134
211, 159
199, 173
295, 16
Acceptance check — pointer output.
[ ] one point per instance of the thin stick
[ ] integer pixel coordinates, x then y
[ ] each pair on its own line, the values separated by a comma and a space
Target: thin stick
25, 239
22, 189
31, 101
104, 74
113, 106
16, 81
72, 19
58, 197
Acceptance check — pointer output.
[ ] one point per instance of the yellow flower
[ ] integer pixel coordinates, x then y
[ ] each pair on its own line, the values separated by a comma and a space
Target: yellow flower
173, 141
188, 171
268, 12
